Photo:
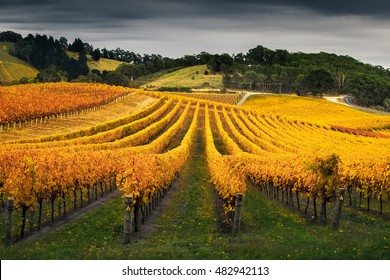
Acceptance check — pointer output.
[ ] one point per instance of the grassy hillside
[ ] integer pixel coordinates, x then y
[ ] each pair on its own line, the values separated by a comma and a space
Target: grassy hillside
101, 65
12, 68
192, 77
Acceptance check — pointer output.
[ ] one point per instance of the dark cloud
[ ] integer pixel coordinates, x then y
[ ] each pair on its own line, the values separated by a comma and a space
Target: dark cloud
178, 27
132, 9
328, 7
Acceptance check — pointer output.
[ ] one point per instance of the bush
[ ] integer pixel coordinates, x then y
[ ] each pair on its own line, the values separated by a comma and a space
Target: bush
175, 89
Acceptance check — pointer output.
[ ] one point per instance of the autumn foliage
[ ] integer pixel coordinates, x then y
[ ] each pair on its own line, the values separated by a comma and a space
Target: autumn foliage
25, 102
272, 150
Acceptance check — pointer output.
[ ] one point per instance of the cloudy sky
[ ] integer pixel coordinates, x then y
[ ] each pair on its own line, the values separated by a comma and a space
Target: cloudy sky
357, 28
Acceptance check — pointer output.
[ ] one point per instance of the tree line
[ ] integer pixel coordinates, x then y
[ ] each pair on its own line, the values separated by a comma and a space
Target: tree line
259, 69
280, 71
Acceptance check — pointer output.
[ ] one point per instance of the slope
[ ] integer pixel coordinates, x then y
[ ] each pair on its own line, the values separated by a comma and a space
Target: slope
191, 77
101, 65
12, 68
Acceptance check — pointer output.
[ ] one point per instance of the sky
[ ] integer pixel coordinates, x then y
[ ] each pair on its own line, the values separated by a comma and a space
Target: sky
174, 28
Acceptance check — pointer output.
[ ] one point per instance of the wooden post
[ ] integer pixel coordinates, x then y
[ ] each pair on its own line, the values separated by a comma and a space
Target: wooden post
9, 221
137, 209
59, 208
339, 204
154, 201
96, 192
89, 194
127, 225
143, 212
237, 214
81, 198
115, 184
31, 221
64, 202
354, 199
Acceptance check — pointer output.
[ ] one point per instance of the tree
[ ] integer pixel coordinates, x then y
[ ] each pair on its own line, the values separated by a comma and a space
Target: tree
368, 90
226, 80
239, 58
386, 104
76, 68
283, 57
52, 74
117, 78
212, 65
9, 36
203, 57
251, 77
96, 55
28, 52
63, 42
260, 55
189, 60
341, 78
77, 45
90, 78
318, 81
326, 180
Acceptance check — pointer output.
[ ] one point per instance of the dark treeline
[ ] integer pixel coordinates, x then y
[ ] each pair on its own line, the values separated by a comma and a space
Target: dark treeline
47, 55
280, 71
260, 69
50, 56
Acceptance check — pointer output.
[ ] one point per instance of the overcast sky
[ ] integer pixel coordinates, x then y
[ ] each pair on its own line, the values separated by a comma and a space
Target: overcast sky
173, 28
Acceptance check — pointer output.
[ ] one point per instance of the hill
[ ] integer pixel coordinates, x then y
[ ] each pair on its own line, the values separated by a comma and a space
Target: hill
191, 77
101, 65
12, 68
259, 69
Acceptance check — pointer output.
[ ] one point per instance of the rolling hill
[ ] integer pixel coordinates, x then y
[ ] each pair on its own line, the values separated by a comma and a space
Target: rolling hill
101, 65
192, 77
12, 68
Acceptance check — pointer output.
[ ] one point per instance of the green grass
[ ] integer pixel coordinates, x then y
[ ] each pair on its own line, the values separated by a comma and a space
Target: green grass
190, 227
144, 80
281, 233
192, 77
101, 65
12, 68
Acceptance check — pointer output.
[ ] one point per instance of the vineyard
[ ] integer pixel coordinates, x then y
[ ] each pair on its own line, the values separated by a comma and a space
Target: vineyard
317, 111
12, 68
28, 103
231, 99
305, 166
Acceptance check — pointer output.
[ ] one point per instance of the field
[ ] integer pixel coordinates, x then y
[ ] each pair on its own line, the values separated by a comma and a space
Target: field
22, 103
101, 65
317, 111
12, 68
182, 160
230, 98
190, 77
